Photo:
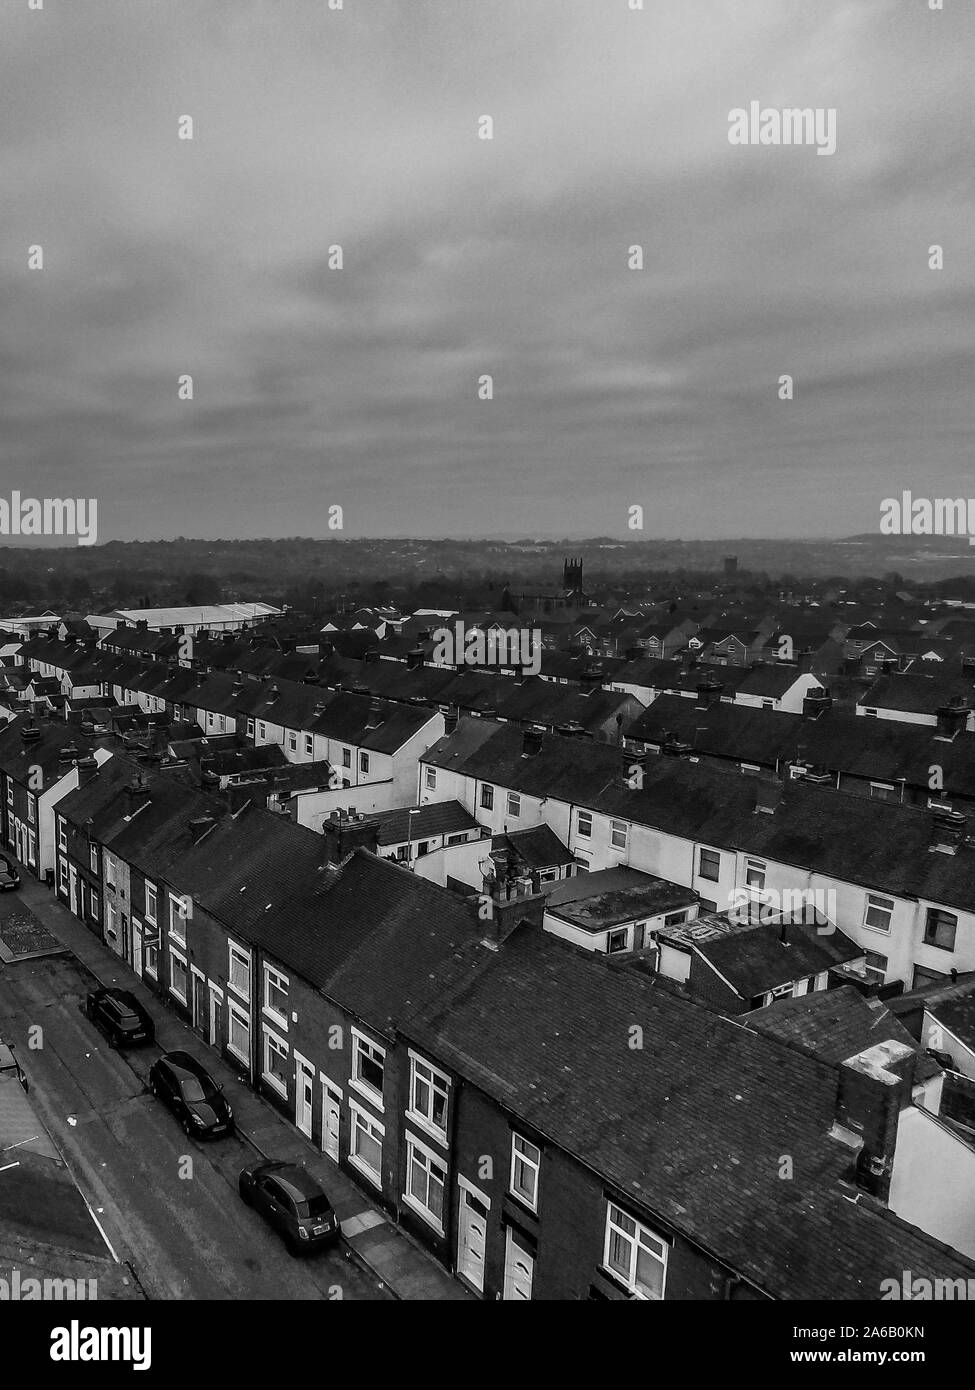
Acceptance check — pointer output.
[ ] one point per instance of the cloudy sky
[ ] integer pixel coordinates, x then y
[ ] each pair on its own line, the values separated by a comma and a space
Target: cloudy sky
358, 387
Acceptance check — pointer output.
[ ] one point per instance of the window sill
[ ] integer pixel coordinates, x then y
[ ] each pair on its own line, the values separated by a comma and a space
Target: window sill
245, 1061
276, 1083
410, 1201
176, 995
242, 994
368, 1093
428, 1128
275, 1017
367, 1172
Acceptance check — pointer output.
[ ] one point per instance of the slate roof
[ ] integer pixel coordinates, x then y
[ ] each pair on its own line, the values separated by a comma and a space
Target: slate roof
835, 1024
753, 957
434, 818
538, 847
916, 692
691, 1126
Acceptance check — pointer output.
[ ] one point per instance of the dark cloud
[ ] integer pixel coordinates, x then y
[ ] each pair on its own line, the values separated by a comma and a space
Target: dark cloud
463, 257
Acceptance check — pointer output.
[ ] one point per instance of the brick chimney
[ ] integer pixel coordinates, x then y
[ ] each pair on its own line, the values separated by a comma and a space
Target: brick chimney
951, 718
505, 904
769, 796
450, 720
375, 715
947, 831
874, 1087
345, 831
816, 704
708, 693
531, 742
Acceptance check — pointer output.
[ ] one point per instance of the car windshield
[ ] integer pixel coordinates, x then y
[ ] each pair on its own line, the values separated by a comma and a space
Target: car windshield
131, 1022
315, 1206
195, 1091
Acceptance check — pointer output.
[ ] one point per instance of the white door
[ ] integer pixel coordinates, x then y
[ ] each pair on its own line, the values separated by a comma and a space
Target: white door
73, 888
214, 1032
519, 1267
305, 1097
471, 1238
136, 946
331, 1112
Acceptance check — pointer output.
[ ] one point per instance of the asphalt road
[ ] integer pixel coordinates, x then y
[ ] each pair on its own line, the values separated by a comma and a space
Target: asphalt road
187, 1237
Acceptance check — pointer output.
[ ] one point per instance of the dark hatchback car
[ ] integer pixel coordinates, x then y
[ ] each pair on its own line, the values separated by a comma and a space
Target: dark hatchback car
187, 1088
9, 877
291, 1201
120, 1016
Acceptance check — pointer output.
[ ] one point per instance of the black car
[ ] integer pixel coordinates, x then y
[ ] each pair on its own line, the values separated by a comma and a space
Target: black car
9, 877
120, 1016
185, 1085
291, 1201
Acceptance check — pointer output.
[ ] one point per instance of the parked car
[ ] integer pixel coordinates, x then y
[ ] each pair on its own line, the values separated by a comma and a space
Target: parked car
120, 1016
187, 1088
291, 1201
9, 1066
9, 877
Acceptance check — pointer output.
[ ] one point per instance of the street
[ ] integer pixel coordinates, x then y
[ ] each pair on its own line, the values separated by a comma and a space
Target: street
167, 1204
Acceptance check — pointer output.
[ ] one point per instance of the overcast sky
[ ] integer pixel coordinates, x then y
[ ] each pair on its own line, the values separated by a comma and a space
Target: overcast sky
359, 387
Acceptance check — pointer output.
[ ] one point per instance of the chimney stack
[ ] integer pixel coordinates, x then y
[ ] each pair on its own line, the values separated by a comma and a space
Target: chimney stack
816, 704
531, 742
450, 719
345, 832
874, 1087
375, 716
708, 693
947, 831
951, 717
768, 796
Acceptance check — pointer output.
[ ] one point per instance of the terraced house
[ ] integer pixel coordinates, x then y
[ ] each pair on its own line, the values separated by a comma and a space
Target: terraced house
901, 879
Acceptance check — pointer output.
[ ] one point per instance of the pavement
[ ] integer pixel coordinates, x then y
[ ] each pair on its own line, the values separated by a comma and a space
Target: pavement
389, 1254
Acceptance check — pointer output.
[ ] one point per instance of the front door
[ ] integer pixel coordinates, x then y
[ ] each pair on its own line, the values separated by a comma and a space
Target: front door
471, 1238
214, 1018
331, 1113
136, 946
199, 1003
519, 1268
73, 888
305, 1097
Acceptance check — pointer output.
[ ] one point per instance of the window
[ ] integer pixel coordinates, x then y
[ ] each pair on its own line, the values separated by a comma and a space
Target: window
368, 1065
618, 940
514, 804
526, 1160
239, 1032
346, 757
487, 797
31, 809
150, 897
430, 778
709, 864
366, 1147
292, 741
150, 959
239, 971
177, 919
93, 858
923, 976
62, 835
635, 1255
63, 874
94, 904
754, 873
363, 762
673, 919
876, 967
882, 791
177, 975
276, 994
939, 929
10, 792
309, 745
110, 872
584, 824
277, 1066
262, 730
878, 912
250, 728
429, 1090
426, 1178
617, 835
